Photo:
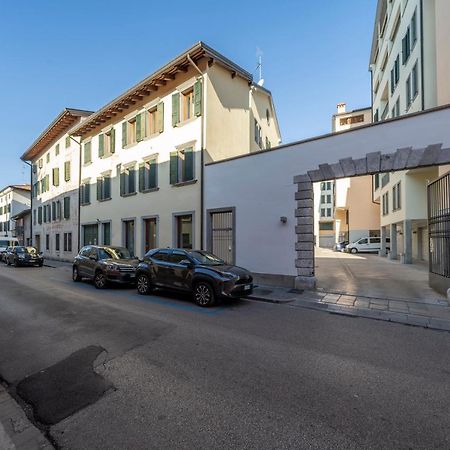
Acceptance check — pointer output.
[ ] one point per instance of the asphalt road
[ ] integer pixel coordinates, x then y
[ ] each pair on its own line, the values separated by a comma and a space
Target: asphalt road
246, 375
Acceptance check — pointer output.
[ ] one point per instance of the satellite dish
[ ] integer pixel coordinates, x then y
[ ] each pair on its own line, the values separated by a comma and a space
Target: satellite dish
261, 82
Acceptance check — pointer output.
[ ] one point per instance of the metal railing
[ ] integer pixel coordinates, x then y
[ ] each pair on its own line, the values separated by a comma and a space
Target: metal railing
439, 226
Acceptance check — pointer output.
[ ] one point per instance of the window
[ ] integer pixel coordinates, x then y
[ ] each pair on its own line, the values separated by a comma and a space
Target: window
184, 231
182, 166
85, 193
396, 197
40, 215
131, 127
57, 150
128, 181
104, 188
190, 103
328, 212
162, 255
363, 241
385, 179
40, 163
414, 82
58, 210
45, 213
176, 257
408, 92
57, 243
67, 141
90, 234
258, 134
328, 198
48, 157
106, 233
53, 211
66, 207
187, 102
322, 198
385, 204
34, 217
352, 119
47, 242
149, 234
128, 228
87, 154
326, 226
414, 29
67, 242
67, 171
55, 176
148, 175
406, 46
107, 143
395, 74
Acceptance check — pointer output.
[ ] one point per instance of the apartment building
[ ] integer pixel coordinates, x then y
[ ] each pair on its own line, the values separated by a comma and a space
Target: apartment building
344, 210
23, 227
13, 200
55, 160
143, 153
409, 64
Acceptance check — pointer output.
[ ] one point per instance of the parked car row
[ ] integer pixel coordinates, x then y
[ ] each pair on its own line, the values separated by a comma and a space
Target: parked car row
200, 273
22, 256
365, 244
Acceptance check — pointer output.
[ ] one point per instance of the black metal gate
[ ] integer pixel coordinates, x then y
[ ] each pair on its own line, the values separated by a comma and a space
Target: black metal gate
221, 238
439, 226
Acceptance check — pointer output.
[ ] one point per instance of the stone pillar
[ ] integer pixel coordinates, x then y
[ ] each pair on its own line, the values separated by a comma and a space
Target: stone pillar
393, 254
305, 233
407, 241
383, 236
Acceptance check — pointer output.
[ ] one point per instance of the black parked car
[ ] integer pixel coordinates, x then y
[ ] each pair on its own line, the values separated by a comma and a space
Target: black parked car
4, 254
24, 256
104, 264
204, 275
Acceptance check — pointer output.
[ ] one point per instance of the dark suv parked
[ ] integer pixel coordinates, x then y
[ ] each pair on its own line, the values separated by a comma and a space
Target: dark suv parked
201, 273
24, 256
104, 264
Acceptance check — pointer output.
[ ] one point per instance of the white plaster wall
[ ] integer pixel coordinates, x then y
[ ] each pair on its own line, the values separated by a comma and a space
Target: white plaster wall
261, 187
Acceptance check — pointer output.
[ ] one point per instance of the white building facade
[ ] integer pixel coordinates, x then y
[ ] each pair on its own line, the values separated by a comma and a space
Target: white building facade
143, 154
55, 160
409, 66
13, 200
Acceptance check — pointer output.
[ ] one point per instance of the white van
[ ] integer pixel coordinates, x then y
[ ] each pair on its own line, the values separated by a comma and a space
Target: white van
367, 244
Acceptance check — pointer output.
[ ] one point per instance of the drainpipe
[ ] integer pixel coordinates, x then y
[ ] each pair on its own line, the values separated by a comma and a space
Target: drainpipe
202, 151
31, 206
422, 64
79, 184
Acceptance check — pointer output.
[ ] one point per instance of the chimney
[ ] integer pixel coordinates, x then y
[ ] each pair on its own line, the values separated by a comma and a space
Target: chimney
341, 108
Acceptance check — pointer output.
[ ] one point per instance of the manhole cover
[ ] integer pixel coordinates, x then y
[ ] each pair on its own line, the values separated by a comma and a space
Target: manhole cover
66, 387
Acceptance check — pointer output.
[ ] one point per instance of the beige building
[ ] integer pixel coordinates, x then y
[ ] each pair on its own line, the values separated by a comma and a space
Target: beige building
54, 158
409, 64
344, 210
143, 153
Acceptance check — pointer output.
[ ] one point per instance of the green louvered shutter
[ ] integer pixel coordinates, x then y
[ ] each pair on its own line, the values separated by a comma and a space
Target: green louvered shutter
107, 186
112, 141
139, 128
87, 193
188, 164
173, 167
66, 207
142, 177
40, 215
131, 180
198, 98
87, 152
99, 189
57, 176
175, 109
160, 115
67, 171
101, 145
122, 184
153, 174
124, 134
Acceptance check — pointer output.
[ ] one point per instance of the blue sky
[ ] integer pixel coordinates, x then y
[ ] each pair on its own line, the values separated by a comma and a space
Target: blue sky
56, 54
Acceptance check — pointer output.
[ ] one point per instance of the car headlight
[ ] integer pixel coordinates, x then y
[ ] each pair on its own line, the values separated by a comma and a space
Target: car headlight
112, 268
229, 275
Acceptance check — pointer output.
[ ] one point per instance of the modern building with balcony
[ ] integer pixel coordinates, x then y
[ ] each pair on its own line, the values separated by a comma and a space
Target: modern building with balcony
13, 200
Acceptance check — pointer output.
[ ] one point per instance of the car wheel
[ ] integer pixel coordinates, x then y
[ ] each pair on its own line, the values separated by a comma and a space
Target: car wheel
204, 294
41, 264
354, 250
143, 284
16, 263
8, 263
75, 275
100, 280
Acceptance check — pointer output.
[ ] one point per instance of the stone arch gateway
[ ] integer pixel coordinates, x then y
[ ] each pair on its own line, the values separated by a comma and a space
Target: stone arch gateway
373, 163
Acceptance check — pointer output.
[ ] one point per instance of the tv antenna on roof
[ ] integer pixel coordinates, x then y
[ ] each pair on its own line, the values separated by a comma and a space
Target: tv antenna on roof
259, 54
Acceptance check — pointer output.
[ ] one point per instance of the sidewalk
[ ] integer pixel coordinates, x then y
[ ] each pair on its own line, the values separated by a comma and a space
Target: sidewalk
430, 313
16, 431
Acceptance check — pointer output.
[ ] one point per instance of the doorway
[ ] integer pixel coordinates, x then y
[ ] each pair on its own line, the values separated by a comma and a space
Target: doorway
221, 234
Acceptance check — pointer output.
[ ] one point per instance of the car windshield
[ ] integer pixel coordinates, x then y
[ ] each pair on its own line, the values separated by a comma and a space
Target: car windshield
205, 258
114, 253
30, 250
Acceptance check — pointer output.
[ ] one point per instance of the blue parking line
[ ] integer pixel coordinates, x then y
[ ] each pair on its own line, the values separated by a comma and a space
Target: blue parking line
214, 311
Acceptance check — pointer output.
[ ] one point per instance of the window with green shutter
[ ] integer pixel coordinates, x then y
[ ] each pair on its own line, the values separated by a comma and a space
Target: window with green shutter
66, 212
57, 150
160, 116
67, 141
55, 174
128, 181
101, 145
188, 172
124, 134
87, 153
173, 167
104, 188
175, 109
182, 166
148, 172
40, 215
198, 98
67, 171
85, 194
139, 128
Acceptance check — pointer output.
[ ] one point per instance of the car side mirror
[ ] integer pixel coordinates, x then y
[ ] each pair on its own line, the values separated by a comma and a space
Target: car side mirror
186, 262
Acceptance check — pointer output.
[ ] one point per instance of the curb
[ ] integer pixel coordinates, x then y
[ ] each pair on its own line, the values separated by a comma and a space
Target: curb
270, 300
